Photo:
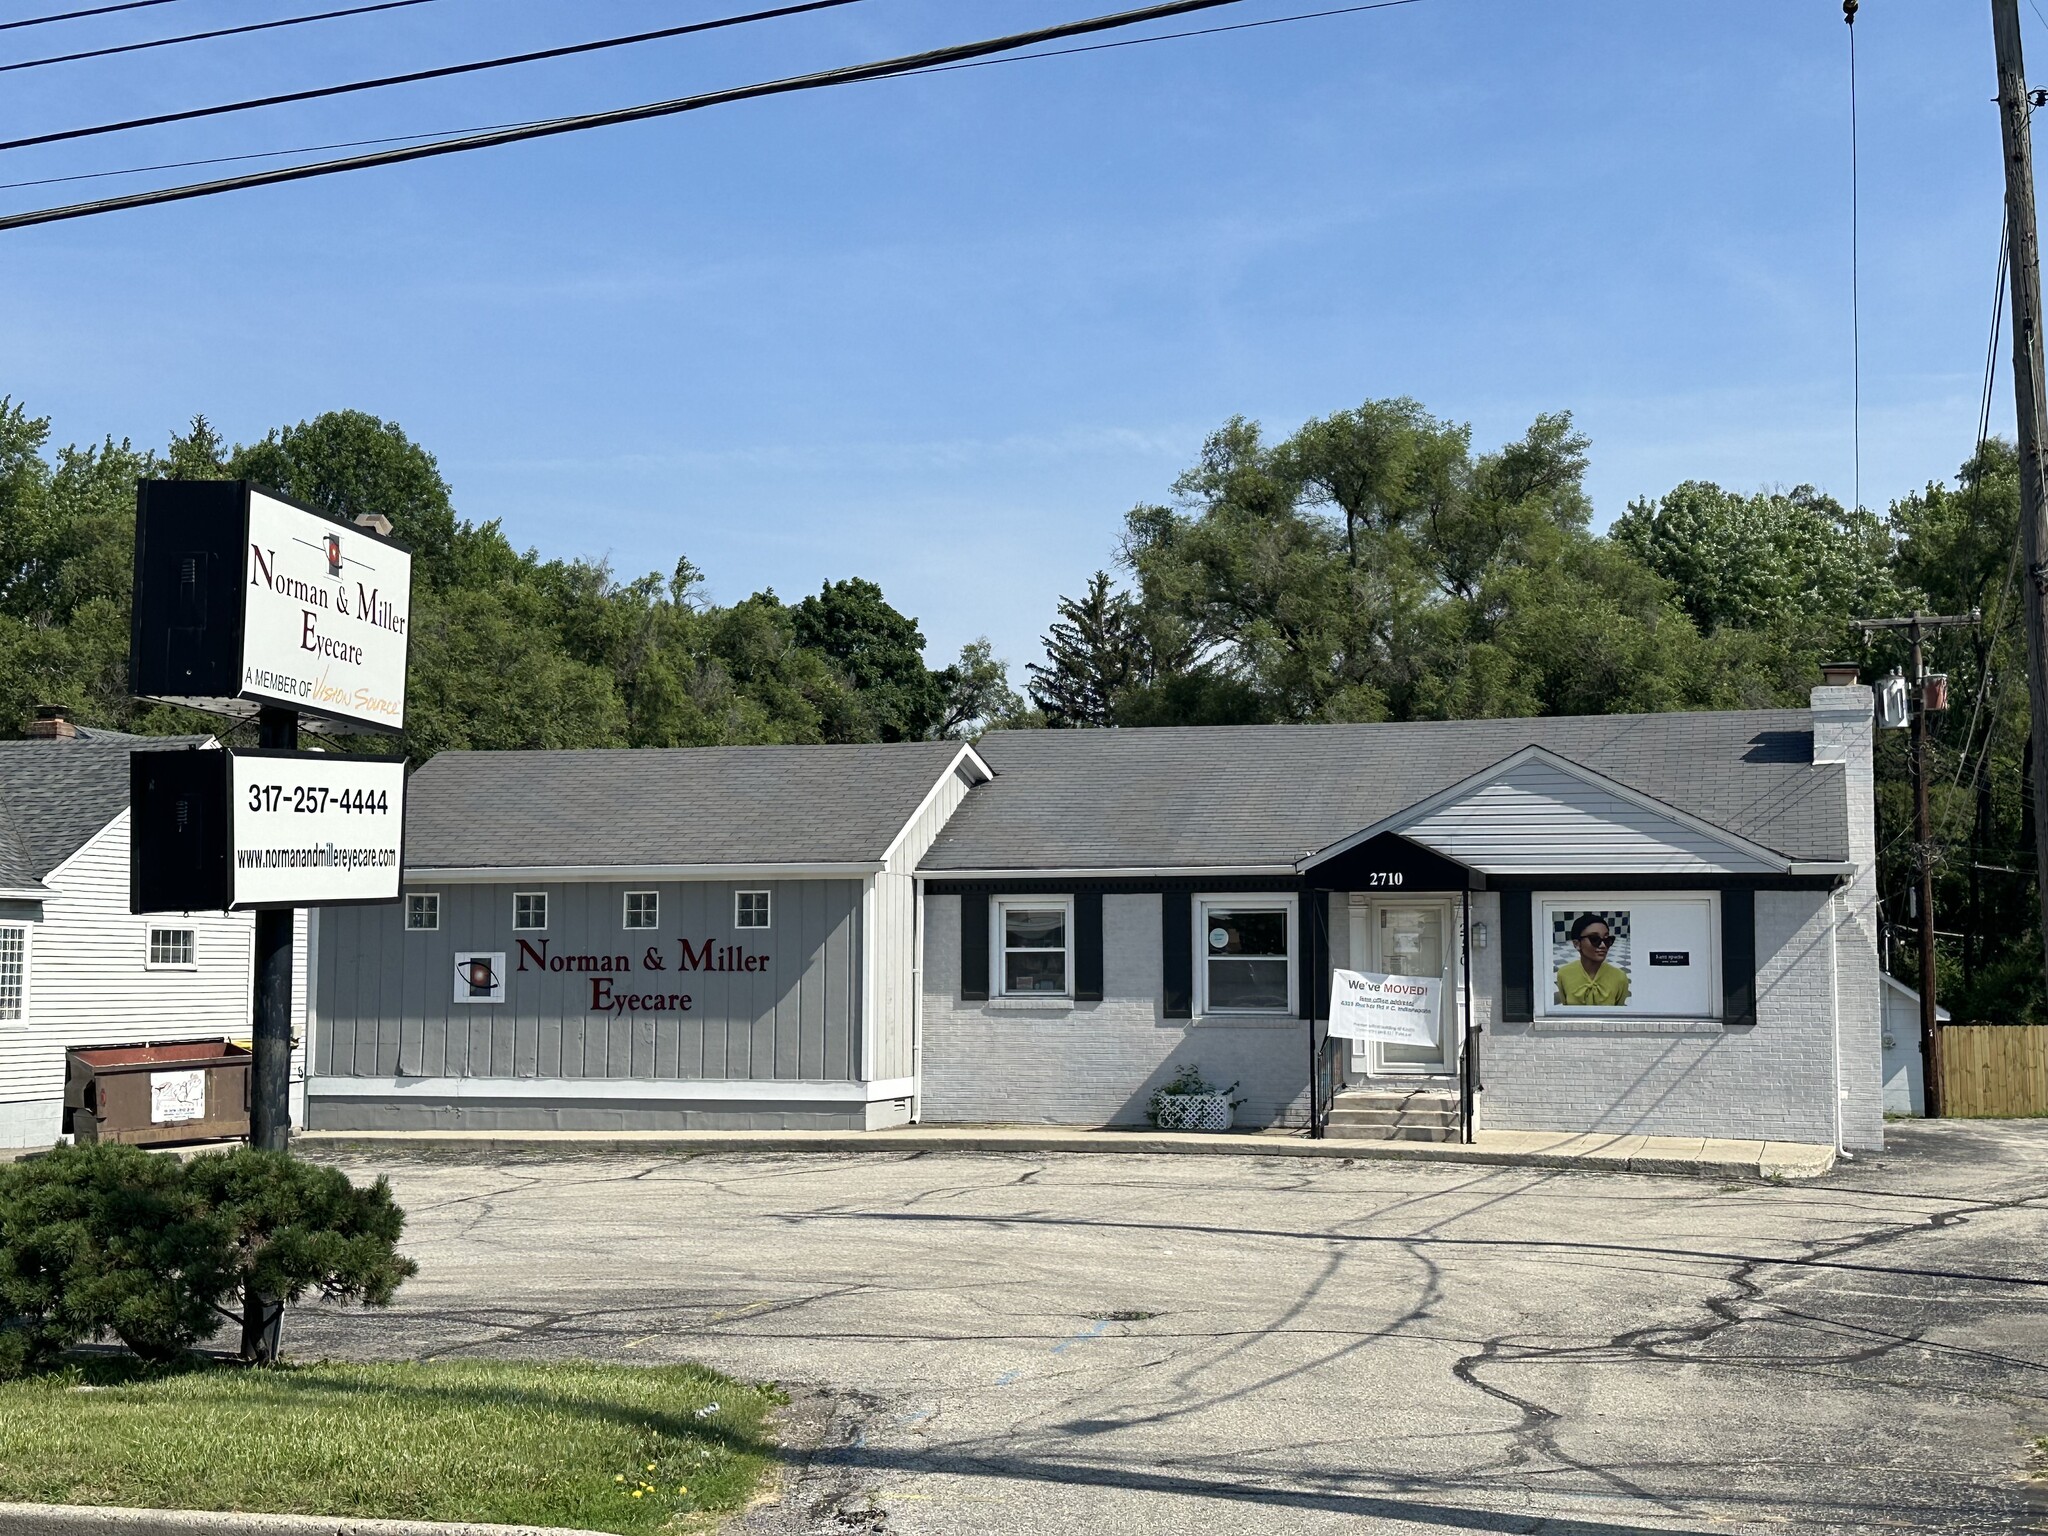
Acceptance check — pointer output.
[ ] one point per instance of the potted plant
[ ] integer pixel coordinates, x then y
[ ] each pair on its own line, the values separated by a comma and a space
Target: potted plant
1190, 1102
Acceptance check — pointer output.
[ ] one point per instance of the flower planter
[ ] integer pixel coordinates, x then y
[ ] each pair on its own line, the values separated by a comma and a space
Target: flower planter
1192, 1111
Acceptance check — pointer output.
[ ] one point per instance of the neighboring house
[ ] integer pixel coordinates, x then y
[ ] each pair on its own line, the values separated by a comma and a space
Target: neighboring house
1048, 926
1904, 1080
78, 968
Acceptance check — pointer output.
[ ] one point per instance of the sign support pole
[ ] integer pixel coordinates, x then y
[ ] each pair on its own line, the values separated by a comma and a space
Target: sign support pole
270, 1120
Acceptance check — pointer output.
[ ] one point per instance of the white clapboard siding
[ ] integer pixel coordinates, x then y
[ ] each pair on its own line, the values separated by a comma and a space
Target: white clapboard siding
1536, 818
892, 944
89, 984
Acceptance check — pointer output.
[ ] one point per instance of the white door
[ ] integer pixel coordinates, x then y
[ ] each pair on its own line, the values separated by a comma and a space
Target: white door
1409, 938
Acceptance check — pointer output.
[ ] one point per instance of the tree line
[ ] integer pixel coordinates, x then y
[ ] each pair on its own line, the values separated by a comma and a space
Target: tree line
1371, 565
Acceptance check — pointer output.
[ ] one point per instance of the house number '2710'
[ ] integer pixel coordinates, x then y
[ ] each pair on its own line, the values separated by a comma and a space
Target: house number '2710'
1386, 877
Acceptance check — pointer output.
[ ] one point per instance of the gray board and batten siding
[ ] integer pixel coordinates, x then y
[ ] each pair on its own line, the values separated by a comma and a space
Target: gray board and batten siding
821, 1036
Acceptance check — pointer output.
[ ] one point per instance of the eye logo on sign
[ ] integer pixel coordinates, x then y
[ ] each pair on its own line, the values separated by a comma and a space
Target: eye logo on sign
334, 554
480, 976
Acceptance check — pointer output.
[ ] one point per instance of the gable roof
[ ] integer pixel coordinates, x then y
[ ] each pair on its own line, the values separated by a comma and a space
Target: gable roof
1510, 816
56, 795
679, 809
1261, 797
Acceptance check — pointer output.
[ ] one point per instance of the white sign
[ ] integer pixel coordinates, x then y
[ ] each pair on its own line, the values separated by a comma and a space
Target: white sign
1395, 1010
175, 1096
480, 976
326, 610
312, 828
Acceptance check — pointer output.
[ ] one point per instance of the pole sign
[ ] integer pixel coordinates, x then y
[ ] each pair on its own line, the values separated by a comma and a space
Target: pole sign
244, 599
1394, 1010
235, 831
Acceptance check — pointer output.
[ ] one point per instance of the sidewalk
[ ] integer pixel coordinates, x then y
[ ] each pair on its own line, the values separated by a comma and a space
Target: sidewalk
1702, 1156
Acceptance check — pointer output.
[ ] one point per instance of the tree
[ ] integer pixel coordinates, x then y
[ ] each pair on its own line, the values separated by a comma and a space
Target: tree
978, 693
880, 651
1094, 654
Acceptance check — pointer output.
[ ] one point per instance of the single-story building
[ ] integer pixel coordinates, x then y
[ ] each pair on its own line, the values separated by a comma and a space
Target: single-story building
1656, 924
1904, 1072
77, 968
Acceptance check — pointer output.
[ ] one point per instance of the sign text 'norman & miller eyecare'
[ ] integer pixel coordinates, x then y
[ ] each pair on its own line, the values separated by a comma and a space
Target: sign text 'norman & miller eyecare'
605, 996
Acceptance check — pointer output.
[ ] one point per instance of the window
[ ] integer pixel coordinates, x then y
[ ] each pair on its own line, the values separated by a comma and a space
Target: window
1628, 954
1034, 937
750, 909
1247, 949
171, 948
529, 909
422, 911
13, 970
643, 909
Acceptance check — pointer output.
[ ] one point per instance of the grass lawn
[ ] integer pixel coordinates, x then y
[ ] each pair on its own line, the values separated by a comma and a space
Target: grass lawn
502, 1441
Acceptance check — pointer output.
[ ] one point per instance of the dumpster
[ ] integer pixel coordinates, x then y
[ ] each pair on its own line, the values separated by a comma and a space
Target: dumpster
154, 1094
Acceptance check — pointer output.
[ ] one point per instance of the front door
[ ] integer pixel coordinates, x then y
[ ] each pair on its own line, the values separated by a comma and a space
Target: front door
1410, 938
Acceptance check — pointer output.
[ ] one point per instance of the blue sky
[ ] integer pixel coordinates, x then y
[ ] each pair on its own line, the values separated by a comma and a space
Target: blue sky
943, 332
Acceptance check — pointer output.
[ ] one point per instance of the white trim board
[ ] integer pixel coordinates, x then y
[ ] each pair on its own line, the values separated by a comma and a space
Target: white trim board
500, 875
575, 1089
1119, 872
966, 754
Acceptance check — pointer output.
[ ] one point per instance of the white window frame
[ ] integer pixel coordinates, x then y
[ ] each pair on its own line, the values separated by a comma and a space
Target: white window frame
433, 899
149, 960
1539, 918
653, 911
20, 1009
1266, 901
767, 911
539, 927
998, 950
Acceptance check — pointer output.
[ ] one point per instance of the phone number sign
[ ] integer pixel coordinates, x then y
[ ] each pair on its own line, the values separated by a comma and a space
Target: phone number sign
314, 828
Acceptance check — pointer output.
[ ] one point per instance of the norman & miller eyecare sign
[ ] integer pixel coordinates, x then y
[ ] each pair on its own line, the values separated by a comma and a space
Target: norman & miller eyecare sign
243, 599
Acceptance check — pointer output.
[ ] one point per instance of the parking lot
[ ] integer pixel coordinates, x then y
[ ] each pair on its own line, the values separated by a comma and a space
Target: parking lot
1153, 1344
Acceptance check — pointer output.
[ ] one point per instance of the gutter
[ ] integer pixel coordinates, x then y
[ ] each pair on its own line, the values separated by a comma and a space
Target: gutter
498, 874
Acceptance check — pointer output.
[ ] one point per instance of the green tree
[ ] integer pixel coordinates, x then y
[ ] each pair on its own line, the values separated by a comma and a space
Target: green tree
880, 651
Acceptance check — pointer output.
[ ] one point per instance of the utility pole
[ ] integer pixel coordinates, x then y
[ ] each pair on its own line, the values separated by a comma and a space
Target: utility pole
2015, 112
1923, 834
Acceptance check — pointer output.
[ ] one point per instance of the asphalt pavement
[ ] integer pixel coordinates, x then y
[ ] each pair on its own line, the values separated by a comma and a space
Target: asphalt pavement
1141, 1344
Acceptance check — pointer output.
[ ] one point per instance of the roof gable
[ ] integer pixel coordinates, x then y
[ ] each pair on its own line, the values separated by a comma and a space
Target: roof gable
57, 795
1536, 813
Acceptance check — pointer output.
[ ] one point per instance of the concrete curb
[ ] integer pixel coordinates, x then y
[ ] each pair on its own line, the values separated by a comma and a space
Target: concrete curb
108, 1520
1693, 1156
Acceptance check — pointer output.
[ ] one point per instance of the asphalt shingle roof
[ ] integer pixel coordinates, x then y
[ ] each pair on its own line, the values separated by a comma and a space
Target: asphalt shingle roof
645, 806
55, 795
1208, 796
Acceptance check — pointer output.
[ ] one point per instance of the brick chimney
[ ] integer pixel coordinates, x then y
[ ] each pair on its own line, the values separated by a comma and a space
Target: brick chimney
52, 723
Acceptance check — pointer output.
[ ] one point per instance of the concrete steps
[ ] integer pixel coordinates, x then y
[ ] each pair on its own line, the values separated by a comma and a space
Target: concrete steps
1394, 1114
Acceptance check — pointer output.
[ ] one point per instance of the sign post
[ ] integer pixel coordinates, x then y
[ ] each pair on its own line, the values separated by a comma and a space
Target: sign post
251, 605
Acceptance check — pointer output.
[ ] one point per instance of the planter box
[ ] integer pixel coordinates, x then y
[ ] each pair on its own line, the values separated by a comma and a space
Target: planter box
1193, 1111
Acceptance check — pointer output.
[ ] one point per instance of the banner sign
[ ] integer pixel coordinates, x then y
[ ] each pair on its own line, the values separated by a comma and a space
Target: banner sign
244, 599
1395, 1010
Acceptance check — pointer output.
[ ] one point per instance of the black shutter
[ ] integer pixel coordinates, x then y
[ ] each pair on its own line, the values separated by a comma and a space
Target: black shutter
973, 948
1738, 955
1176, 954
1088, 946
1517, 961
1313, 947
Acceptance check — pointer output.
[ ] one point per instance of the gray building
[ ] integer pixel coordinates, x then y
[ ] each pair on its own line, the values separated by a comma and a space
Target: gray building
1656, 924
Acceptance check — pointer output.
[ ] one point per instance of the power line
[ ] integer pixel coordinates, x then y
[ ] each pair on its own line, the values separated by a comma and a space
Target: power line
1855, 268
98, 10
440, 73
199, 37
450, 133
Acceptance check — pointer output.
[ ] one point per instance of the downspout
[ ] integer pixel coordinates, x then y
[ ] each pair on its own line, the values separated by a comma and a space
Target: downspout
917, 1002
1465, 1057
1835, 1015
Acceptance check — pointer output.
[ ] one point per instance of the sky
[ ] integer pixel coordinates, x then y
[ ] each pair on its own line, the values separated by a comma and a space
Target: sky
944, 332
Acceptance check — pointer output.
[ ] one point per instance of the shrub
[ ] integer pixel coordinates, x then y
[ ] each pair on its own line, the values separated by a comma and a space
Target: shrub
111, 1239
107, 1238
1188, 1082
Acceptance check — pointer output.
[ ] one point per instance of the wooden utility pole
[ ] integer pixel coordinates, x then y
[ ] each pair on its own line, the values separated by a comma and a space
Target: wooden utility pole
2015, 109
1916, 629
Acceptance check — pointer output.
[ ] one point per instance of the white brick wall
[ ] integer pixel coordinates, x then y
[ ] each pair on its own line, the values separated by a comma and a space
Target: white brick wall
1098, 1063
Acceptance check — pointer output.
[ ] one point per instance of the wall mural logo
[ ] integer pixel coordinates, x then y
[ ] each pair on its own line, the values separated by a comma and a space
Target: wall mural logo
333, 554
480, 976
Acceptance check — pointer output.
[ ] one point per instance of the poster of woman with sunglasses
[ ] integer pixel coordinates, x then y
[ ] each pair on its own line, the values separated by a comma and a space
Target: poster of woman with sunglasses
1594, 949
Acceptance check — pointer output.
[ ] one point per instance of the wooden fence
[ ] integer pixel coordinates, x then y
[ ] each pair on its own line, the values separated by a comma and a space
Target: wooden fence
1994, 1069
